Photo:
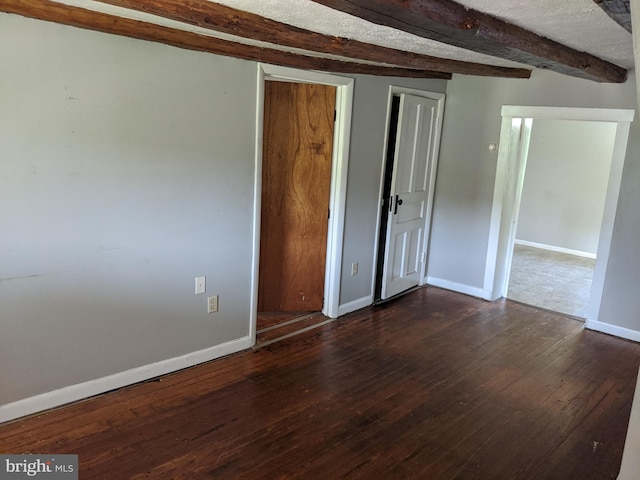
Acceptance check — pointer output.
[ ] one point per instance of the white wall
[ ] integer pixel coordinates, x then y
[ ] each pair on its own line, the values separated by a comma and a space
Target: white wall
466, 175
119, 160
621, 302
630, 465
127, 169
565, 184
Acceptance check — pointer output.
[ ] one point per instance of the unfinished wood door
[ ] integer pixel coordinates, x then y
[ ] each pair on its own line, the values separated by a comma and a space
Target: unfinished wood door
296, 181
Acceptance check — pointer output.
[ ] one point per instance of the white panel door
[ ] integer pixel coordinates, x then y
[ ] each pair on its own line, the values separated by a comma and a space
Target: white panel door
405, 244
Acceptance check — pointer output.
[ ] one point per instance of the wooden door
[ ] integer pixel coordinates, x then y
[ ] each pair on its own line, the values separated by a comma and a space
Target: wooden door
407, 222
296, 181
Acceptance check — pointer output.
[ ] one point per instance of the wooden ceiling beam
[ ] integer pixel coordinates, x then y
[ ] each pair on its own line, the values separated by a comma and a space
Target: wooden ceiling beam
88, 19
449, 22
231, 21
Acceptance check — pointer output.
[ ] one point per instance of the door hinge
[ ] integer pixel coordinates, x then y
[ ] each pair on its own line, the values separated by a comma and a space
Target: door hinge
328, 213
335, 115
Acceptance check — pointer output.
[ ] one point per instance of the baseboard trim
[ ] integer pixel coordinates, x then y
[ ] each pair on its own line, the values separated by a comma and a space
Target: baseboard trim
72, 393
614, 330
355, 305
553, 248
460, 288
630, 465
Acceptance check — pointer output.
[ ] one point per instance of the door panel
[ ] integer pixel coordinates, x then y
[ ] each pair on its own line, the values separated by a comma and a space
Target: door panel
296, 180
405, 241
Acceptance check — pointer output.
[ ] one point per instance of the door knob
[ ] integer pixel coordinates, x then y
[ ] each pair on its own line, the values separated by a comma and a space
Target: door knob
398, 202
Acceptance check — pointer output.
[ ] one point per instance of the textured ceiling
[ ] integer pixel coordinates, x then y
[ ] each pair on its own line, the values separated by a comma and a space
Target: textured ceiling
579, 24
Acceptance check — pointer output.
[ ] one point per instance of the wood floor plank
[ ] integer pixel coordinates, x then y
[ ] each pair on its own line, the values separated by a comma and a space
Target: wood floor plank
433, 385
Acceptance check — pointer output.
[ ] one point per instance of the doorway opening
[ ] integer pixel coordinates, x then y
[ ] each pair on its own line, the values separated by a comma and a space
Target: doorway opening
512, 156
386, 195
559, 213
298, 228
406, 190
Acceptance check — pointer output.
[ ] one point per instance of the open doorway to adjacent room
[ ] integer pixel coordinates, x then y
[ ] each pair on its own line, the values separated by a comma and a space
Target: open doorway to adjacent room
514, 150
560, 214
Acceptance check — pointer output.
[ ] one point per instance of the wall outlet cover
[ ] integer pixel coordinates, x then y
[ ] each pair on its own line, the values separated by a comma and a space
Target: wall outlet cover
212, 304
201, 285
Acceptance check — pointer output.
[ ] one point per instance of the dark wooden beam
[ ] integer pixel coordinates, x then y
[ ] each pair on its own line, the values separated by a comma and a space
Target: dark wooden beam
229, 20
618, 10
88, 19
449, 22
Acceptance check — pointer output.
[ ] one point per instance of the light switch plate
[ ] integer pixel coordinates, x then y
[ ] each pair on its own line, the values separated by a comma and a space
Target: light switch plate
201, 285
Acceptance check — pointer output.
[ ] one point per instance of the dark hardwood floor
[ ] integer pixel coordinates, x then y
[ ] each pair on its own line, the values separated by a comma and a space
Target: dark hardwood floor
435, 385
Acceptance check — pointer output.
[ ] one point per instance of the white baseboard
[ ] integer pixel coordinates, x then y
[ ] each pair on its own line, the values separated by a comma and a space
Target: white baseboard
460, 288
631, 454
355, 305
613, 330
72, 393
553, 248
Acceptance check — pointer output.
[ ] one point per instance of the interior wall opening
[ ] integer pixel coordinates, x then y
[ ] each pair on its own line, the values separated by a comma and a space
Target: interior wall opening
512, 157
559, 214
386, 194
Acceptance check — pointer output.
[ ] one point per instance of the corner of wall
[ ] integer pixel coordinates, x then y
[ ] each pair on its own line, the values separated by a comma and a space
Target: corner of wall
355, 305
614, 330
461, 288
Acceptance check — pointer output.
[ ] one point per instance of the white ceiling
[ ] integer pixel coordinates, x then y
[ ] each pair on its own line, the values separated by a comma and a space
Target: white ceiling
579, 24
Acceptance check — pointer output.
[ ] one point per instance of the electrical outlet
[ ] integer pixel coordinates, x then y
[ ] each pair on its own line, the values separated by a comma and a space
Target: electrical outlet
354, 268
212, 304
201, 285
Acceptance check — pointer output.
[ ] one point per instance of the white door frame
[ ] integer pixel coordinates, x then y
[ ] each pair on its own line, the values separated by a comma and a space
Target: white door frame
339, 169
440, 98
516, 125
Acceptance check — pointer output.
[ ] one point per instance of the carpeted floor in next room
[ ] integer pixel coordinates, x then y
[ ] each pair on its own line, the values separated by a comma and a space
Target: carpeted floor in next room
552, 280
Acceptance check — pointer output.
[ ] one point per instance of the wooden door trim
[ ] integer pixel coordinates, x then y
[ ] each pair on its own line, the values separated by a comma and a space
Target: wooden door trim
440, 98
339, 169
